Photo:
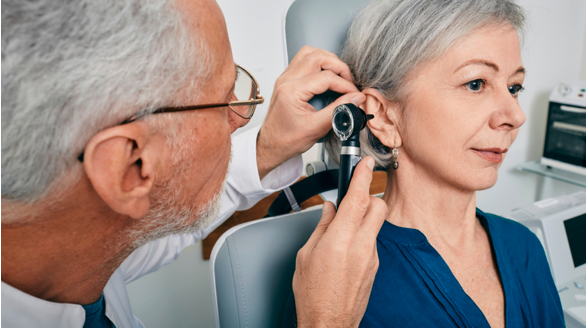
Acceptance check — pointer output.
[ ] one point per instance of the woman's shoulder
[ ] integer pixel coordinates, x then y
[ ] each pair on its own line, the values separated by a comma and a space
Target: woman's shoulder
503, 223
511, 232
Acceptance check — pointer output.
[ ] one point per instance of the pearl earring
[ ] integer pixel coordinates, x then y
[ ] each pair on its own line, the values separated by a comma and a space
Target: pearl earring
394, 153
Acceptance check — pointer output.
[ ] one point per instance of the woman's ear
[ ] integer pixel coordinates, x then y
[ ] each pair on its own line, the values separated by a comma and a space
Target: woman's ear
120, 164
384, 125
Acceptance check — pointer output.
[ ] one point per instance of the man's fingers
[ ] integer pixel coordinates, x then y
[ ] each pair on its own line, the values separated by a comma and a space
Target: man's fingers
373, 220
307, 51
362, 177
324, 116
311, 60
319, 83
337, 66
329, 53
354, 205
328, 213
303, 53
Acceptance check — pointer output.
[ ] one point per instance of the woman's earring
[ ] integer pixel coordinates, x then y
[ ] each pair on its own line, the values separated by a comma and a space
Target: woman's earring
394, 153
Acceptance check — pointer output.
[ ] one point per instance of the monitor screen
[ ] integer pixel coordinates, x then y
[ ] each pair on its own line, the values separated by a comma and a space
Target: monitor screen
575, 229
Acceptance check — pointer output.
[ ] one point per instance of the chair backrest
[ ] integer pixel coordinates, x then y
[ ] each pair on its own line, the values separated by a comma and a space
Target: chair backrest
252, 267
321, 24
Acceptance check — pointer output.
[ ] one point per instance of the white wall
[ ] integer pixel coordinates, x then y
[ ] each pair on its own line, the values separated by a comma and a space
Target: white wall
554, 51
179, 295
255, 29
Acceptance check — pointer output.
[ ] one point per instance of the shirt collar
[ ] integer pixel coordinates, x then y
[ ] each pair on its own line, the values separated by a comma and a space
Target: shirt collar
20, 309
411, 236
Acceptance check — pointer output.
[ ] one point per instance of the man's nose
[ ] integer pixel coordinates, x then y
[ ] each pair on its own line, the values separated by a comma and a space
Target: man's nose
508, 114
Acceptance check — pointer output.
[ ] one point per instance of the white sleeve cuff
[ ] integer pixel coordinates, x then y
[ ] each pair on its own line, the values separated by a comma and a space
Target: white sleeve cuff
245, 173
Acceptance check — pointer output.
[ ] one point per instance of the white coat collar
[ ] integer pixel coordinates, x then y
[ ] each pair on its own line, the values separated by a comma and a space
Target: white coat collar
20, 309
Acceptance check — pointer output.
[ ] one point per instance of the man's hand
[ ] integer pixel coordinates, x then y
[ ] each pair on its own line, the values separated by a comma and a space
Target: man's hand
336, 268
292, 125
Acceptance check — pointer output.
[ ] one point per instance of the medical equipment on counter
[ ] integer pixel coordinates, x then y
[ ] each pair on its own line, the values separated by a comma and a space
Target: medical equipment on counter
564, 145
572, 294
347, 121
559, 224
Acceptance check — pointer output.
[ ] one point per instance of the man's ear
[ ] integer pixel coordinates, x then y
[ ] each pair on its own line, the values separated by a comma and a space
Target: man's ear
120, 164
384, 125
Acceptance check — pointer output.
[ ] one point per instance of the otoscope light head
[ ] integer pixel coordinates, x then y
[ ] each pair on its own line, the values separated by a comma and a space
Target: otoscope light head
348, 120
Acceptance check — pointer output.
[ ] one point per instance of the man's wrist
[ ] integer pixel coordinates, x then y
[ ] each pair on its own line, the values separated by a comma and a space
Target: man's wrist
316, 325
310, 324
267, 158
321, 323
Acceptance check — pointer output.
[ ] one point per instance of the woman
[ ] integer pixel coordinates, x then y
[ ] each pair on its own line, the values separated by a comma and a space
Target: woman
442, 79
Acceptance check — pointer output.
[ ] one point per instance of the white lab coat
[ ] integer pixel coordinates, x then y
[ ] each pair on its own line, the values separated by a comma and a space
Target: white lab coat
243, 190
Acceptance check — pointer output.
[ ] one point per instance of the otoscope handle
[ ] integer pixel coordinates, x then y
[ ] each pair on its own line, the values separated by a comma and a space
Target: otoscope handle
349, 158
346, 170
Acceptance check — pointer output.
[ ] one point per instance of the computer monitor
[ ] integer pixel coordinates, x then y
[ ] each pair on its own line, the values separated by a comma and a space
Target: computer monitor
575, 230
559, 224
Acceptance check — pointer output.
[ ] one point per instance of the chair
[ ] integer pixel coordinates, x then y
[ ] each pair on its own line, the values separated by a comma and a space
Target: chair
321, 24
252, 264
252, 267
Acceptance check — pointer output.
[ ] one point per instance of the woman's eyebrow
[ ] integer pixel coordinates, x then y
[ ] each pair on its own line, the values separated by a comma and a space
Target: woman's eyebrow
479, 62
521, 69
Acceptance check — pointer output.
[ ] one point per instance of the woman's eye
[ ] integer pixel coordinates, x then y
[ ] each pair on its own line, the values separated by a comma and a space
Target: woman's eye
475, 85
515, 89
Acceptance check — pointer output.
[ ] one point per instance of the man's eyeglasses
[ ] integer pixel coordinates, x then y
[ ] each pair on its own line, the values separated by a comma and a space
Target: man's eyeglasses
245, 98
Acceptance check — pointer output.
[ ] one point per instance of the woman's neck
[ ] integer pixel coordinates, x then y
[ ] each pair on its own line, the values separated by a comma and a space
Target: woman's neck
419, 200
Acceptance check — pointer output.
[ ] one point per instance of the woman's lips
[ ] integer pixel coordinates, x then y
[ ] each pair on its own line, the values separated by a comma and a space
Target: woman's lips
494, 155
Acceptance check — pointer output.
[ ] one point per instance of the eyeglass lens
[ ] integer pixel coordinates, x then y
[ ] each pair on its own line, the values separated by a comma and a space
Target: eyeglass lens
244, 89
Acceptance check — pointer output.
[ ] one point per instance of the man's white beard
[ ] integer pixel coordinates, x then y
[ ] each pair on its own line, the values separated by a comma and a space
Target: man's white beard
168, 215
167, 218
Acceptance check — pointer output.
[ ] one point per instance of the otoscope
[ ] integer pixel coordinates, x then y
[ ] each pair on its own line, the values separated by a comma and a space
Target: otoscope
347, 121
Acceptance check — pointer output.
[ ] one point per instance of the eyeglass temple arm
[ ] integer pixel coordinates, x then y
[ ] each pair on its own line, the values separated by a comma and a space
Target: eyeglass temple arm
133, 118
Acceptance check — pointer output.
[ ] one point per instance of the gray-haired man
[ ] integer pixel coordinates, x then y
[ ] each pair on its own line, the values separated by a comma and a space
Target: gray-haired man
98, 188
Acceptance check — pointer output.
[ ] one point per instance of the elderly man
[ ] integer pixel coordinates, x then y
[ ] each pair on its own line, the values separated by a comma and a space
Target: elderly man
116, 124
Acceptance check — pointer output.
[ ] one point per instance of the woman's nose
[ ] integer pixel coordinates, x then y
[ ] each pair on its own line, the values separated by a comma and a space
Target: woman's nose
508, 114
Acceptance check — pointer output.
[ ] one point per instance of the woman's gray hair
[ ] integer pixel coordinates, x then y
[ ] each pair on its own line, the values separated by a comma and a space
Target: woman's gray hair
73, 68
389, 38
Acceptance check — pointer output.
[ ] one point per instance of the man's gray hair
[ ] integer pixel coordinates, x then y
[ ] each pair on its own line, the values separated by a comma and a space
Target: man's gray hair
73, 68
389, 38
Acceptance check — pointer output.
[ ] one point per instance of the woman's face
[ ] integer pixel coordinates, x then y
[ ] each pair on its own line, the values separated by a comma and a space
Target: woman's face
462, 113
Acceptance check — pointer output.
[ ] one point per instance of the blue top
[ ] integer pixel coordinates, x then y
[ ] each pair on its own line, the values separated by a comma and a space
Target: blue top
96, 315
414, 287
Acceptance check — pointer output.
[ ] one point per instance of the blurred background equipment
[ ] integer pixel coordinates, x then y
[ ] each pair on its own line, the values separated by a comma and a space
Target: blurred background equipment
564, 145
559, 224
